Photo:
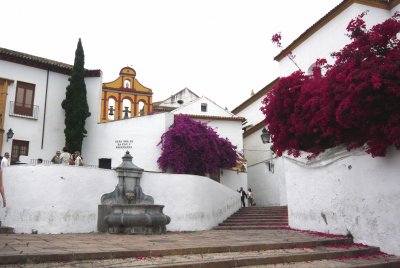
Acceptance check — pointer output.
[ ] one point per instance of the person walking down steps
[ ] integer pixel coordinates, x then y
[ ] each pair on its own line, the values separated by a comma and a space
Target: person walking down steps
243, 195
250, 198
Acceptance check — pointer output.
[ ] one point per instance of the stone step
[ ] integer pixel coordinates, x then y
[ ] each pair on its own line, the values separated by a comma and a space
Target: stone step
250, 227
291, 256
6, 230
39, 250
250, 210
260, 216
363, 261
254, 224
261, 211
264, 208
247, 219
268, 207
267, 221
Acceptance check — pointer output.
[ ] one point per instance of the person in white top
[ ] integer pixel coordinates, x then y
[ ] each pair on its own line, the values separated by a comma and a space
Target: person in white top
78, 159
5, 162
65, 156
250, 197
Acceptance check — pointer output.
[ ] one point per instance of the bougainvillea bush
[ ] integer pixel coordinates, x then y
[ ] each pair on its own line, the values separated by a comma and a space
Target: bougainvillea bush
356, 102
191, 147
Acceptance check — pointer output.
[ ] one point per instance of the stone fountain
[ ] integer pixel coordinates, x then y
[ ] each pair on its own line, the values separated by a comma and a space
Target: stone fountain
127, 209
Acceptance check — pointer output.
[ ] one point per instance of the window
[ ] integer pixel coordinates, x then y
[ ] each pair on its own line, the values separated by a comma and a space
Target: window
141, 108
24, 95
18, 148
127, 84
127, 109
111, 109
204, 107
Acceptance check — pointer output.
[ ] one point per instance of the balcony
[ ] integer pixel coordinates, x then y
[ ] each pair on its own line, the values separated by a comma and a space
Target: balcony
23, 111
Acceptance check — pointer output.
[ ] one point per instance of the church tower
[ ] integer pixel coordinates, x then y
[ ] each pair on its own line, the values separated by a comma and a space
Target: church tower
125, 97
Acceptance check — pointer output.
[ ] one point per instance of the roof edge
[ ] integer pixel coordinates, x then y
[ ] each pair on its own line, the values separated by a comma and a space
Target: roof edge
328, 17
257, 127
255, 97
224, 118
42, 63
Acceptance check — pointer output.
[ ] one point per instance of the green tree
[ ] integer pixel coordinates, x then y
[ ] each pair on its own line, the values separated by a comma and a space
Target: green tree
75, 103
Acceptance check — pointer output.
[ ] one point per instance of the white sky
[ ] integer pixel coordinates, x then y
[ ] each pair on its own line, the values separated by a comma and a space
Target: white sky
217, 48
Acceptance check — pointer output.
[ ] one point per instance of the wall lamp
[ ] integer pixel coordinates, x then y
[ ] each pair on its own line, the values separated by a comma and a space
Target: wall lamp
265, 136
10, 134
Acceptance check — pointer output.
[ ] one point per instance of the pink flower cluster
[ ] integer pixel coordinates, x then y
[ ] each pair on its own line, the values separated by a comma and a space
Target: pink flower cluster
356, 102
191, 147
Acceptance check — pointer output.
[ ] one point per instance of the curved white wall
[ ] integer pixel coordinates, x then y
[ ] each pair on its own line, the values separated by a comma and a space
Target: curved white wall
64, 199
193, 202
357, 193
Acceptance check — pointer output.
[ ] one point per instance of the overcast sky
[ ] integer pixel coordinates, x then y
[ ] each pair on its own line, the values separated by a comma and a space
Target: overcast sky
217, 48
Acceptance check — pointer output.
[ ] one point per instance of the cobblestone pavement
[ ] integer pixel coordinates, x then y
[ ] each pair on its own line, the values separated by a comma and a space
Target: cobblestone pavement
107, 250
195, 258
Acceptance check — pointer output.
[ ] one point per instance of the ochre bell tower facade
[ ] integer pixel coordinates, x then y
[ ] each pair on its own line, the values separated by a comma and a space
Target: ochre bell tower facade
125, 97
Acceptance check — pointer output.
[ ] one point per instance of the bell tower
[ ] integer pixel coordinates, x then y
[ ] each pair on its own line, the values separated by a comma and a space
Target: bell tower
125, 97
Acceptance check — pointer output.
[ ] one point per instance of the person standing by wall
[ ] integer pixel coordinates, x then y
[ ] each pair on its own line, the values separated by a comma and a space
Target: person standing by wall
250, 197
65, 156
5, 162
57, 158
78, 159
3, 195
243, 195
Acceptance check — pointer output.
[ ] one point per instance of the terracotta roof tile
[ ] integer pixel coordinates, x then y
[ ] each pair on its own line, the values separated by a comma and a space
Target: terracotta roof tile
41, 63
213, 117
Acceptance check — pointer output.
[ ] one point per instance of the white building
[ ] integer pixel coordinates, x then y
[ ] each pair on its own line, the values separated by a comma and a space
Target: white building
339, 192
32, 89
265, 175
175, 101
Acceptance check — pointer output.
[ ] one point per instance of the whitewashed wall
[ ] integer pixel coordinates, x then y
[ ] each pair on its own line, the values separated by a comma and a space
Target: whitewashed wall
252, 113
232, 130
255, 150
193, 202
194, 107
332, 37
354, 192
53, 121
234, 180
269, 188
142, 133
64, 199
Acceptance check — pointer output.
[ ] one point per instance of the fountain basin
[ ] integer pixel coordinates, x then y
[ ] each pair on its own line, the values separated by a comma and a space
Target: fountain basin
137, 219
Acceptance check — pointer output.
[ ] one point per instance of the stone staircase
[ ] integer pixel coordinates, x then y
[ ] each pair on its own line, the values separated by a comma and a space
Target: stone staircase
252, 237
338, 252
257, 218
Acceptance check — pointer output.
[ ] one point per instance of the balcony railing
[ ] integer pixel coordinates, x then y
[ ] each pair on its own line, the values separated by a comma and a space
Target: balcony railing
30, 113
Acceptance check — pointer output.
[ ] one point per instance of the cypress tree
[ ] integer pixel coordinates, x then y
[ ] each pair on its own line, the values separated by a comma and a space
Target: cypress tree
75, 103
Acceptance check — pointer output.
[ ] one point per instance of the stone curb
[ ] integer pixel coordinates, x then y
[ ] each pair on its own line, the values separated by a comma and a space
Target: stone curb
71, 256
